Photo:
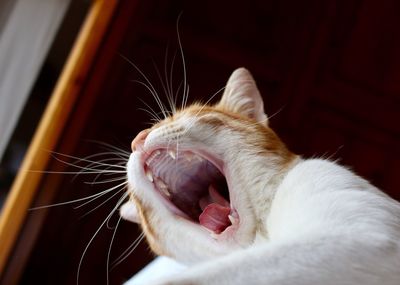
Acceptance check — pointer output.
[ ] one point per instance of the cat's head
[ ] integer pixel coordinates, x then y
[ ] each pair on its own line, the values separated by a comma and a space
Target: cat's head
201, 181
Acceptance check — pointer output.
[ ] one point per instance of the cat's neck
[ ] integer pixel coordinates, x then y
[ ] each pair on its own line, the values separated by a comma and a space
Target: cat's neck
259, 184
272, 178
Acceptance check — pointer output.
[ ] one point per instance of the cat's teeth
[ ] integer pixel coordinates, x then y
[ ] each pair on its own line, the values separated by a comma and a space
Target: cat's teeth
232, 219
172, 154
163, 187
152, 157
161, 184
149, 175
165, 191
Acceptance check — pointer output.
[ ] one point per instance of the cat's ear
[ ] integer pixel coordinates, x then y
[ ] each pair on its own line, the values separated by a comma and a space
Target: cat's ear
241, 96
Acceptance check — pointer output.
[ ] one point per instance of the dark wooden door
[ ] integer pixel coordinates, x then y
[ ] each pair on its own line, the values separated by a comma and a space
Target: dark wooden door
346, 101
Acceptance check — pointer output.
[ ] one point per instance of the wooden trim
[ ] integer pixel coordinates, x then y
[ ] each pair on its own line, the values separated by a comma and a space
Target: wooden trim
51, 126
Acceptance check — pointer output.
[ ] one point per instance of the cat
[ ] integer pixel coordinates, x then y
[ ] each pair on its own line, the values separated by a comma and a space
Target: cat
215, 188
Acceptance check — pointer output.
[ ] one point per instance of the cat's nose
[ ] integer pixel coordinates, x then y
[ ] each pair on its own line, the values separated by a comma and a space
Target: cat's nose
139, 140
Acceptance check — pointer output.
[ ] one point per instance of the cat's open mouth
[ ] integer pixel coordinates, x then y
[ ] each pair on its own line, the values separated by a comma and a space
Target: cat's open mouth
194, 185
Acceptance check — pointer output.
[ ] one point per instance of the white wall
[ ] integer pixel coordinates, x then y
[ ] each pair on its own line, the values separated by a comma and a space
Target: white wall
27, 32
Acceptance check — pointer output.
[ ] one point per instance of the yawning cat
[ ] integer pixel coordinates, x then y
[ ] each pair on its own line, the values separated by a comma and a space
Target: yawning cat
215, 188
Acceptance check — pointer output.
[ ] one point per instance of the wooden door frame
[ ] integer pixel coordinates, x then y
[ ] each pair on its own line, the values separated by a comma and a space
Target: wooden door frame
61, 103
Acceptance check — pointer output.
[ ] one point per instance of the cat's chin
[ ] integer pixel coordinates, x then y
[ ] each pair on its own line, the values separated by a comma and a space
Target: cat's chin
192, 185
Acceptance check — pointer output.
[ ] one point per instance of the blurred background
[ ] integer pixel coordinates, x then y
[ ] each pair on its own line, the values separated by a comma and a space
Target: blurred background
329, 72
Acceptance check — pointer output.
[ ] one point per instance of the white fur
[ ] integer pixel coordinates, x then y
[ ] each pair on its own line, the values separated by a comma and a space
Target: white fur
326, 226
306, 222
129, 212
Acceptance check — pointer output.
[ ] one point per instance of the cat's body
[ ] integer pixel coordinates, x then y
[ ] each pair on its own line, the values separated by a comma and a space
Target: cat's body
287, 220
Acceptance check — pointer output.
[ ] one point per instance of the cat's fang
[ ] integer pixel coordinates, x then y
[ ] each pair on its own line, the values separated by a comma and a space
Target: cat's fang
163, 187
149, 175
172, 154
232, 219
165, 191
161, 184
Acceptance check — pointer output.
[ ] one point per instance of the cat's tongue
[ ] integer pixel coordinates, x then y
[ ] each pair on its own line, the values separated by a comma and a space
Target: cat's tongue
215, 217
216, 210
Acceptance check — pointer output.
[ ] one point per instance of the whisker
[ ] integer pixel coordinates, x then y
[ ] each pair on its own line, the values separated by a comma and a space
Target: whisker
77, 172
154, 118
76, 200
111, 147
65, 172
106, 181
128, 251
153, 113
185, 85
86, 170
277, 112
177, 92
112, 161
104, 202
103, 193
89, 158
175, 96
99, 164
186, 97
116, 156
109, 249
95, 234
155, 96
148, 85
118, 163
85, 160
169, 81
106, 169
169, 99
